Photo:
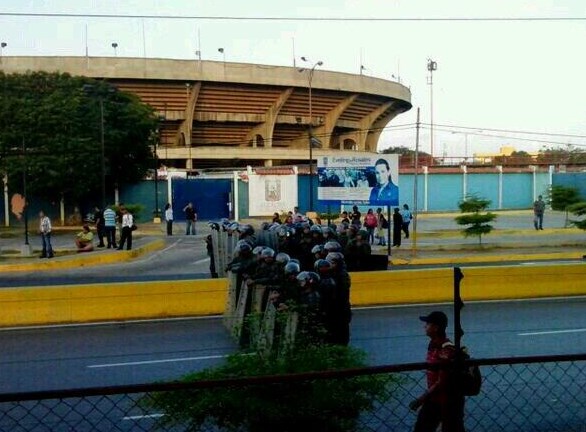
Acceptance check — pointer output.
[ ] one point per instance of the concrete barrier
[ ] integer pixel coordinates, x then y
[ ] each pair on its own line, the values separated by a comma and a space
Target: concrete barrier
162, 299
95, 258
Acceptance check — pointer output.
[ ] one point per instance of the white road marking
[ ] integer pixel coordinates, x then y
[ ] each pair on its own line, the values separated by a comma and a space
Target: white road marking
201, 260
140, 417
147, 362
553, 332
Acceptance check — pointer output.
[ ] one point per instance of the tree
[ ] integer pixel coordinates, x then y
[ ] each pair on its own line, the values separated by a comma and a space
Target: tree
516, 158
407, 156
51, 127
557, 155
289, 406
578, 209
478, 222
562, 197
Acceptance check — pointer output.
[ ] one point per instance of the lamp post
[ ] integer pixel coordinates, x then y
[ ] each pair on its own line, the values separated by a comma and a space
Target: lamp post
431, 66
24, 193
312, 140
2, 46
115, 46
89, 89
221, 51
157, 140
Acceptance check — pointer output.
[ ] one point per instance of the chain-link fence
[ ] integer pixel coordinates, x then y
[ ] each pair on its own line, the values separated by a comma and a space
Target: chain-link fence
518, 394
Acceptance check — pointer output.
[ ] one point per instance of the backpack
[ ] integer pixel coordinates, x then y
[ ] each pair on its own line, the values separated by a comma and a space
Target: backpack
384, 223
469, 377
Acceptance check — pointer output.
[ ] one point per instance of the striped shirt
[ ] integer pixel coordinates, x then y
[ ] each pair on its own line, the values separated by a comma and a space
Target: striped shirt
109, 217
45, 226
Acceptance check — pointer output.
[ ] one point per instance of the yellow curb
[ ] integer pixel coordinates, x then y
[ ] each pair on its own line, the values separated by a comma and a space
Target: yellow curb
486, 259
85, 260
163, 299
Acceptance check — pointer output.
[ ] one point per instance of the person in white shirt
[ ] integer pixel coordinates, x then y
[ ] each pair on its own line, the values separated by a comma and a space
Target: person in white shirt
126, 234
45, 230
169, 218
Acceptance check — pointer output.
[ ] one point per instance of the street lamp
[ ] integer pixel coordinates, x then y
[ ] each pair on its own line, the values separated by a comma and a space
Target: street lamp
91, 90
24, 193
312, 140
221, 51
115, 46
2, 46
431, 66
157, 141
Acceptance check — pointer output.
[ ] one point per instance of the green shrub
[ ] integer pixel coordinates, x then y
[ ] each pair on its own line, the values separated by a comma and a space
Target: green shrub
478, 222
578, 209
321, 404
134, 209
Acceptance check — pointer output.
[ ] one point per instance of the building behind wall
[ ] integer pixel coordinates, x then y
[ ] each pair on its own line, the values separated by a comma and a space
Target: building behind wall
230, 115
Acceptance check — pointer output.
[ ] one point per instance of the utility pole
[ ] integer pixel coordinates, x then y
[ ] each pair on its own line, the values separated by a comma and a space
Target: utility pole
415, 185
431, 66
312, 140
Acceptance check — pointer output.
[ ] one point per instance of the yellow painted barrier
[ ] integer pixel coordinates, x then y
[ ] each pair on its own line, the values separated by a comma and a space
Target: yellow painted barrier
96, 258
162, 299
110, 302
480, 283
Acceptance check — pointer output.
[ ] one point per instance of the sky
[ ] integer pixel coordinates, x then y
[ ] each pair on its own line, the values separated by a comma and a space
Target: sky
494, 78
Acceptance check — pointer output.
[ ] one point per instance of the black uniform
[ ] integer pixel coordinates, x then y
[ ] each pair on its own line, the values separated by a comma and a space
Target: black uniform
342, 314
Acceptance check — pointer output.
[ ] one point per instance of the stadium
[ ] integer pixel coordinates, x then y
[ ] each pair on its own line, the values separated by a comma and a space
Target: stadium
220, 115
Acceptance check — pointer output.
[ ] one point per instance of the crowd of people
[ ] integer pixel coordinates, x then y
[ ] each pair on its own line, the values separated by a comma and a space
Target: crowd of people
307, 273
105, 222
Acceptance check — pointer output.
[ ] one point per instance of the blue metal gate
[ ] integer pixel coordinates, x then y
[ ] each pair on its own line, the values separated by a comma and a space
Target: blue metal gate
209, 197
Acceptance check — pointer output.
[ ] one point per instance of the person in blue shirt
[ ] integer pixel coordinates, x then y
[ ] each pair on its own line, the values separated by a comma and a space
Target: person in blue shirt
385, 192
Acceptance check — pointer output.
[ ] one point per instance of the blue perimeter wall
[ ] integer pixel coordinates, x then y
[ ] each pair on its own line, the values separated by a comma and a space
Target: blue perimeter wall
444, 193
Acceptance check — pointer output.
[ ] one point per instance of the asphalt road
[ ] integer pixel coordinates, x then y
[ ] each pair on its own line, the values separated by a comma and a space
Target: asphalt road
132, 353
184, 257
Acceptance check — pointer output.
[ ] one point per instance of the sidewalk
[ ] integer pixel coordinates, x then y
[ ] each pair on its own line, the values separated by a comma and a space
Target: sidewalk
438, 240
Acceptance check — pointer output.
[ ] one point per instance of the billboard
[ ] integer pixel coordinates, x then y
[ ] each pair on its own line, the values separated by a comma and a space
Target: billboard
364, 179
271, 193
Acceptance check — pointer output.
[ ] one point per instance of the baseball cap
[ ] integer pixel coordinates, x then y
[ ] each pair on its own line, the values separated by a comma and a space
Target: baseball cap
436, 317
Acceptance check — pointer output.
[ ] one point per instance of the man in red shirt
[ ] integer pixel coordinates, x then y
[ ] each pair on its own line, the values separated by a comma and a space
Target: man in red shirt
441, 402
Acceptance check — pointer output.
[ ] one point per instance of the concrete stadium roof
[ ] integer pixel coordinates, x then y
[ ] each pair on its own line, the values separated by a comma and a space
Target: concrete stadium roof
261, 112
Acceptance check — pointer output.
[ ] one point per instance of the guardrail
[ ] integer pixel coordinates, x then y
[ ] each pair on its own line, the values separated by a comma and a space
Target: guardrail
530, 394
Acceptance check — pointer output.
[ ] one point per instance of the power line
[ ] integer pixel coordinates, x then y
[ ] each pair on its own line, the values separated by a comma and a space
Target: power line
513, 138
507, 131
298, 19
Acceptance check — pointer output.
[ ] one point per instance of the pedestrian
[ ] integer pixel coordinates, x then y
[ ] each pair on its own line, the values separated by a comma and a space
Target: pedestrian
45, 231
538, 211
407, 216
110, 227
355, 217
440, 403
169, 218
382, 226
190, 218
126, 233
100, 226
84, 240
370, 223
397, 227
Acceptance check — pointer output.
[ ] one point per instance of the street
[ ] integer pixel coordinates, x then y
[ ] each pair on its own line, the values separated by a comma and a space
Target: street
143, 352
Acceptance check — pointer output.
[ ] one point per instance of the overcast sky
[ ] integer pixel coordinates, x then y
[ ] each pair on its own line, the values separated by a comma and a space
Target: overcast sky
510, 75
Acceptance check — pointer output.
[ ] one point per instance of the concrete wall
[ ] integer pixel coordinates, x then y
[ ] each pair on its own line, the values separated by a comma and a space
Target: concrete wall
124, 301
575, 180
443, 194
